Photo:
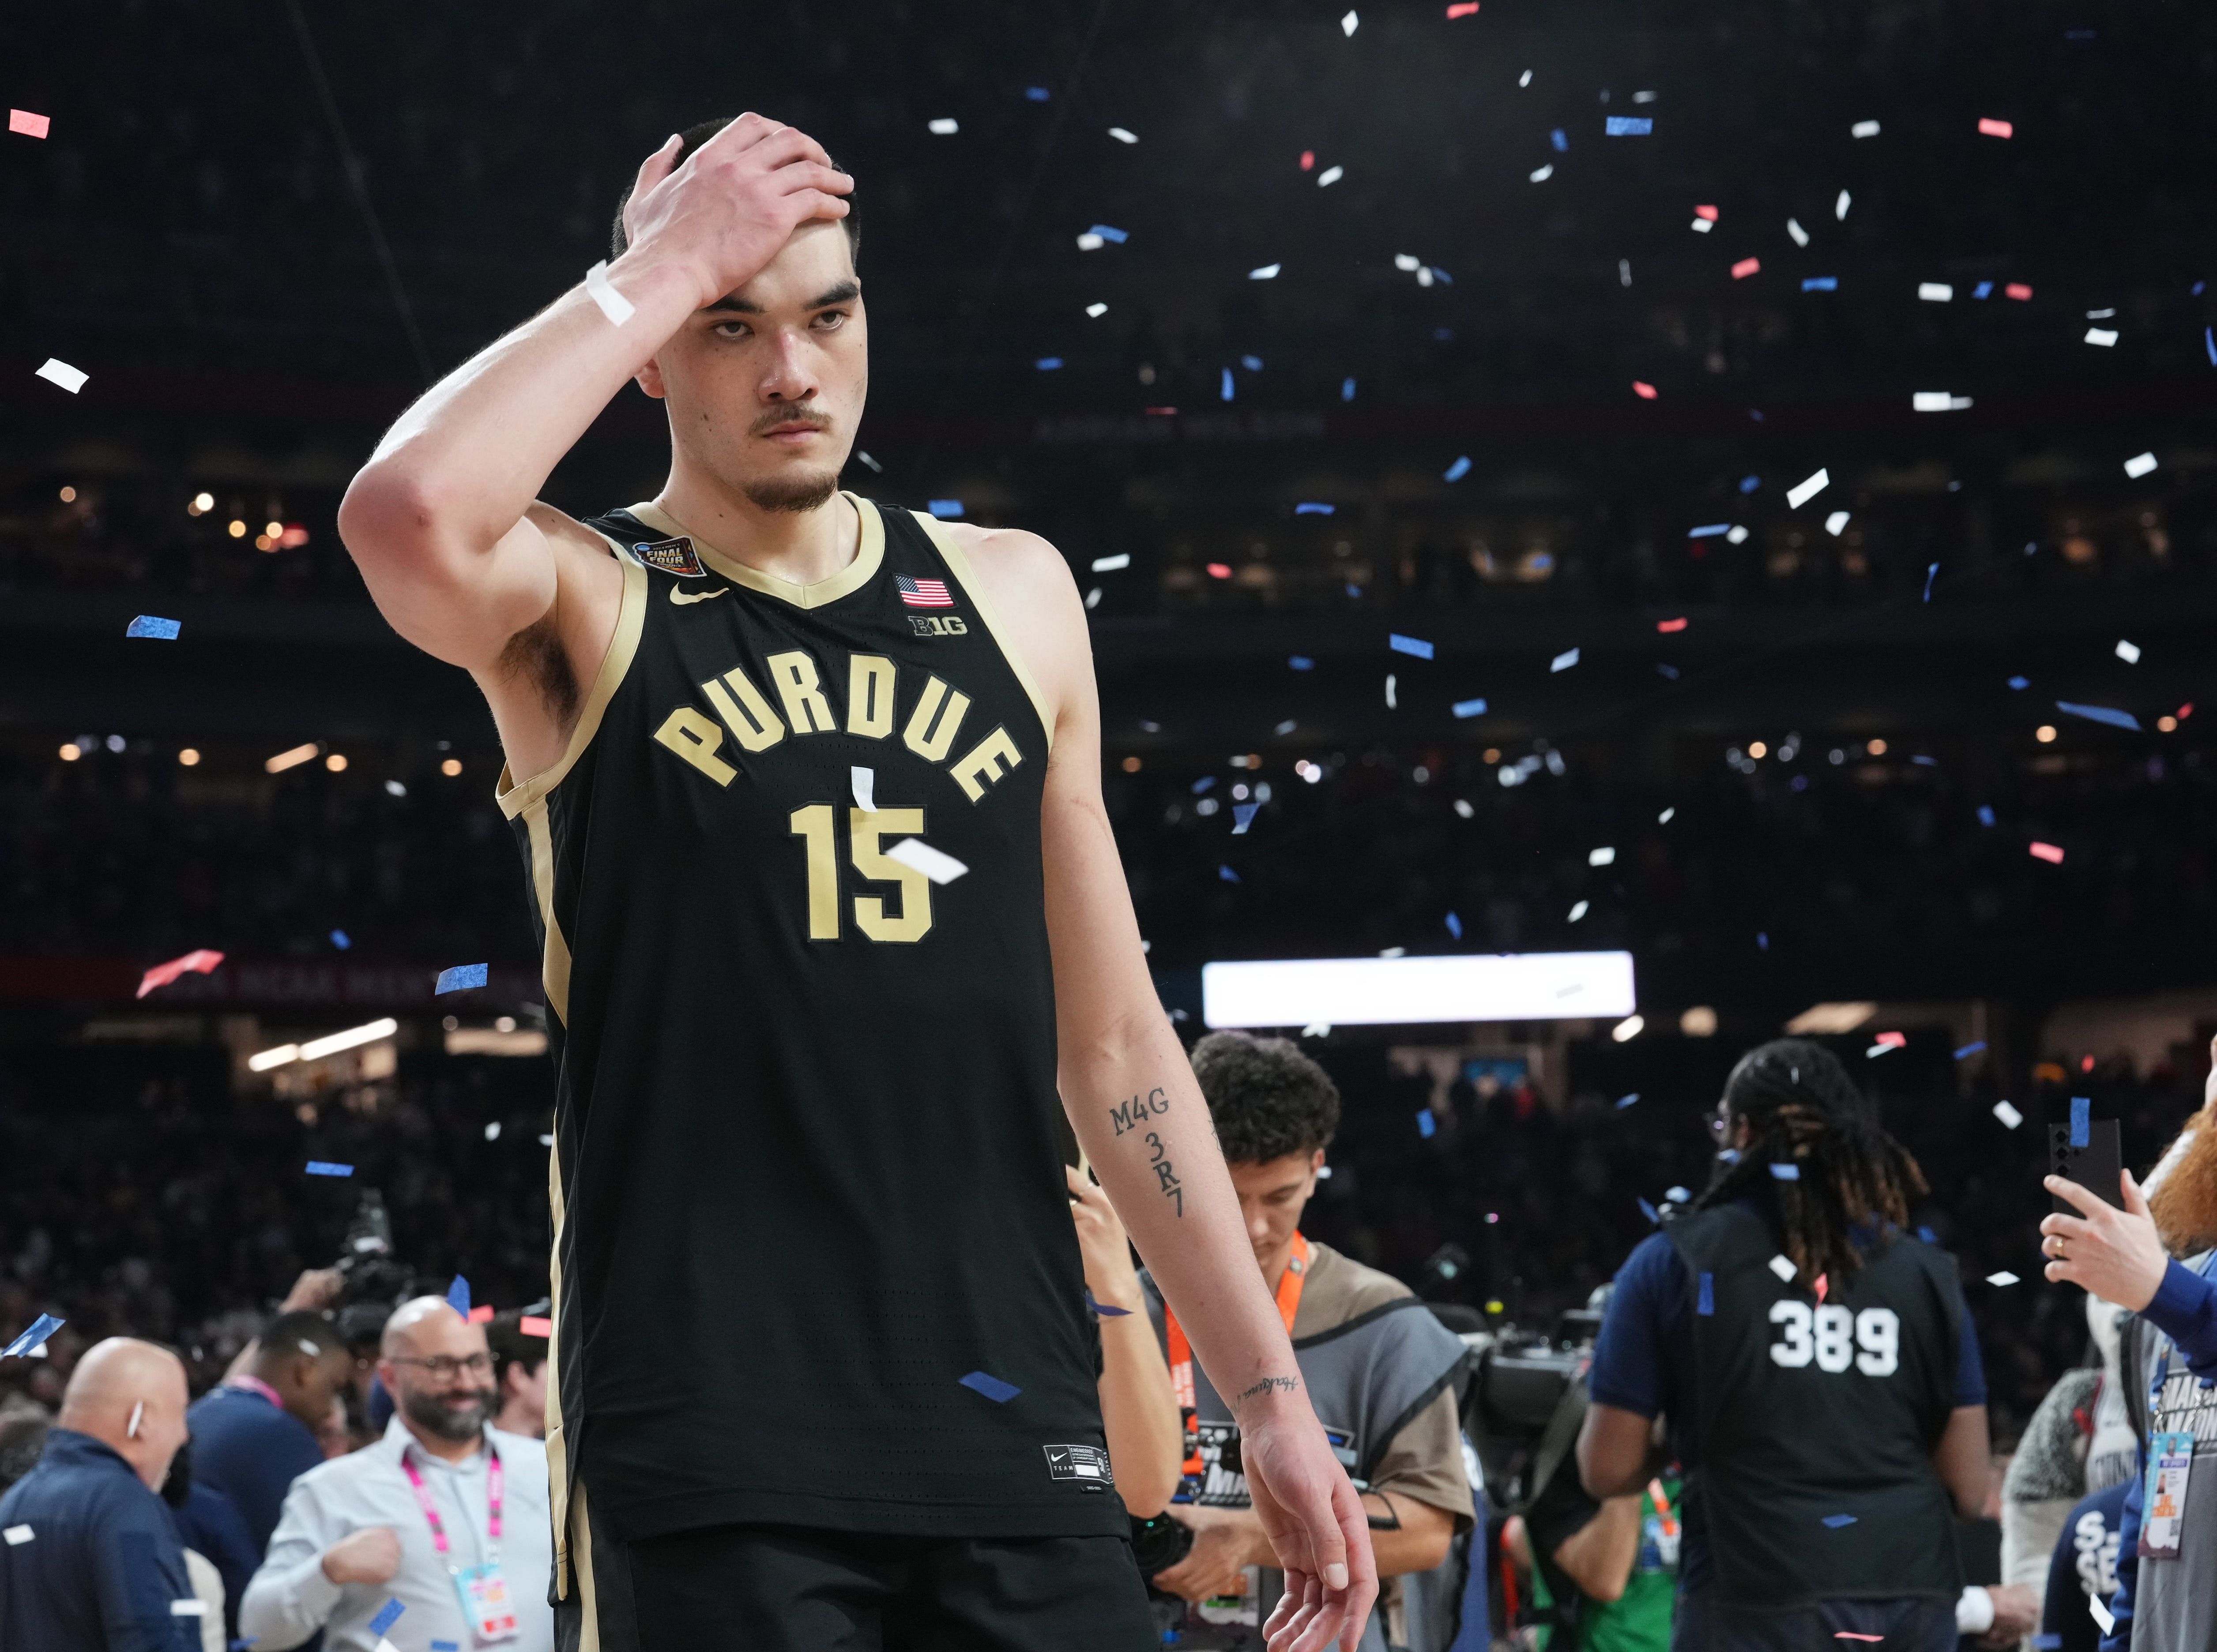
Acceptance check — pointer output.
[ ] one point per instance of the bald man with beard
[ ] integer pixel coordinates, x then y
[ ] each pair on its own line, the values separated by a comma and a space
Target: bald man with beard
92, 1561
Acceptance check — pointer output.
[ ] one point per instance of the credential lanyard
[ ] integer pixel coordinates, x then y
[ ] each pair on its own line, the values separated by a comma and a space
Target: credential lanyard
1289, 1303
495, 1480
2163, 1361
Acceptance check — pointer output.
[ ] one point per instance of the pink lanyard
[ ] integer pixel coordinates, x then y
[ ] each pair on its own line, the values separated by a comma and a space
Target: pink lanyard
494, 1482
256, 1385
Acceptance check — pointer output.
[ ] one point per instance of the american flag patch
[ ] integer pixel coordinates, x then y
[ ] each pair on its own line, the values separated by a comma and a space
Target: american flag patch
923, 593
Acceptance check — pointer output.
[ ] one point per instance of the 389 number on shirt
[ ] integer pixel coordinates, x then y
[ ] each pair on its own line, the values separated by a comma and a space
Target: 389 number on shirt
1836, 1338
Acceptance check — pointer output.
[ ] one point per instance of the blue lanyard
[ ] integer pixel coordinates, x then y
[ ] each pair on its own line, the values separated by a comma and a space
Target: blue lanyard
2163, 1364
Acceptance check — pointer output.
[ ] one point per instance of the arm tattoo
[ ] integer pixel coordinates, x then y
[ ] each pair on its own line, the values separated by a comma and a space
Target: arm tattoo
1172, 1188
1130, 1115
1284, 1384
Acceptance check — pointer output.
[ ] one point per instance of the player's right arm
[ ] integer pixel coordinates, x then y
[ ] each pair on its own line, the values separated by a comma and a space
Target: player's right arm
443, 521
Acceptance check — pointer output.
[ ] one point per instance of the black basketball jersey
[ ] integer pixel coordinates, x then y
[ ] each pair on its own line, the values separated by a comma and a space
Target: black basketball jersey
1818, 1419
805, 1179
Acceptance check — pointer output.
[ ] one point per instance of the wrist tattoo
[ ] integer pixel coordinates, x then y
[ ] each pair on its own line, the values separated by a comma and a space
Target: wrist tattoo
1282, 1384
1130, 1115
1164, 1174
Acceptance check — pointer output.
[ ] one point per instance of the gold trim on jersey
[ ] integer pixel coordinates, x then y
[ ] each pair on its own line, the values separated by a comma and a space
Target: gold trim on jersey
974, 589
554, 963
869, 556
513, 796
558, 1448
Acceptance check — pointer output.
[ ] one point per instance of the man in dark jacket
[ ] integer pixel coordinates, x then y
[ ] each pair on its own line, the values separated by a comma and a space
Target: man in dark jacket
91, 1561
255, 1434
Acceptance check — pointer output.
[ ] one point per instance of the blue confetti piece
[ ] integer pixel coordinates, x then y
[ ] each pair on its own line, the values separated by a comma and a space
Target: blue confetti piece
1252, 363
387, 1615
1352, 590
1311, 508
1415, 645
1763, 940
1454, 925
2020, 683
326, 1168
1470, 708
1986, 814
2082, 1120
1983, 290
1426, 1126
1708, 1305
1927, 1235
461, 977
446, 1646
1224, 389
1243, 816
2114, 718
1653, 1215
2047, 1643
1347, 386
1750, 484
40, 1328
991, 1386
1728, 1155
1301, 662
1444, 280
1628, 126
1624, 1101
1669, 671
1227, 875
341, 939
1786, 1172
945, 510
1036, 94
1561, 139
1106, 233
2209, 343
1836, 1521
147, 625
1970, 1050
458, 1295
1456, 472
1099, 1311
1821, 284
1923, 761
1708, 530
1047, 363
1930, 574
1203, 784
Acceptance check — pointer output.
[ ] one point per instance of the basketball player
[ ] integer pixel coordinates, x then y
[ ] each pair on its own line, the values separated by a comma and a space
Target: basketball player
808, 787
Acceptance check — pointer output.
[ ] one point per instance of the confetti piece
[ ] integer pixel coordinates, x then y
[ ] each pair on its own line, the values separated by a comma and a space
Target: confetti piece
60, 372
2128, 652
535, 1325
1668, 627
2139, 465
1427, 1125
1469, 708
1936, 401
1930, 574
1800, 238
387, 1615
1122, 136
1391, 704
341, 939
324, 1167
1223, 390
461, 977
602, 292
2104, 336
384, 1645
1707, 1303
945, 126
992, 1387
1110, 232
1243, 815
1836, 522
1264, 272
195, 1608
2003, 1278
138, 1417
1893, 1041
1840, 206
1100, 1310
1347, 390
1401, 644
199, 962
480, 1315
1836, 1521
1803, 491
1850, 1635
1541, 174
2082, 1120
1579, 911
1628, 126
1456, 472
1111, 564
1969, 1049
1624, 1101
1347, 25
1864, 129
1454, 925
1783, 1268
1936, 292
1047, 363
1300, 662
2114, 718
1462, 9
1329, 175
1745, 268
1989, 128
1786, 1172
1604, 856
934, 864
864, 782
2048, 853
1561, 139
1087, 242
1646, 392
458, 1295
34, 1338
1707, 214
165, 630
2104, 1619
1312, 507
18, 1534
2018, 291
1823, 1280
1563, 661
36, 126
1094, 310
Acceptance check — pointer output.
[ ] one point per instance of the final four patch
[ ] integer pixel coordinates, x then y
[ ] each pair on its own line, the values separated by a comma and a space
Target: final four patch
671, 556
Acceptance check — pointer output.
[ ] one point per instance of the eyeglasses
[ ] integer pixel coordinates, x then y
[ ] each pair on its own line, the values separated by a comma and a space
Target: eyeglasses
443, 1368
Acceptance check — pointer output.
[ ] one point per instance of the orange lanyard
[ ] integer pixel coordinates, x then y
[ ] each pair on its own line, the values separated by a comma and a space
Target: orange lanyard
1655, 1495
1289, 1303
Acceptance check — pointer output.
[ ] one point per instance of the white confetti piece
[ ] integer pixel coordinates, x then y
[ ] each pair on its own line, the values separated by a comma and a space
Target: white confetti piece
1122, 136
1602, 857
1563, 661
1936, 292
1329, 175
865, 782
1937, 401
1408, 262
1800, 235
2104, 1619
1347, 25
195, 1608
1840, 206
1580, 910
1089, 241
2139, 465
1835, 523
1110, 565
1096, 310
2105, 336
1783, 1268
1864, 129
945, 126
934, 864
315, 1350
18, 1534
602, 292
1264, 272
1808, 489
2003, 1278
1391, 704
1542, 174
58, 372
2128, 652
2009, 1115
1703, 225
138, 1417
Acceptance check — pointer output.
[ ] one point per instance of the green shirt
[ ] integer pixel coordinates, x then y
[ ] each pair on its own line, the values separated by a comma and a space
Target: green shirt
1639, 1620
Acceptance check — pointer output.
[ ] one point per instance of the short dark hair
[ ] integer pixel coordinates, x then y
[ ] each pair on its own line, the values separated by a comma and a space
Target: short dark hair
505, 1336
1266, 1098
303, 1330
690, 139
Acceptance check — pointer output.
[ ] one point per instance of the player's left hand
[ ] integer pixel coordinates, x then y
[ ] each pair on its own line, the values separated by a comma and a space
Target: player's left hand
1315, 1523
2116, 1254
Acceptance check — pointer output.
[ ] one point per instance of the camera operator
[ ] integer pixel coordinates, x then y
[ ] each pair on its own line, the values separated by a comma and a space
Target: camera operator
1380, 1370
1821, 1378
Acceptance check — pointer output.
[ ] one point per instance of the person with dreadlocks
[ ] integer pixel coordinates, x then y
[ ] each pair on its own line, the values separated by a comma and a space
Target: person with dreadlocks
1819, 1376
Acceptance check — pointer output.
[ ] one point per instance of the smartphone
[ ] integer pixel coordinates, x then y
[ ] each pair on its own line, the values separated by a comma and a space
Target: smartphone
2097, 1167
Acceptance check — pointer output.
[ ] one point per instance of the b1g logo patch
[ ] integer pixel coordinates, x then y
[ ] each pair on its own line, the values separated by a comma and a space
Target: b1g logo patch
938, 625
1087, 1465
671, 556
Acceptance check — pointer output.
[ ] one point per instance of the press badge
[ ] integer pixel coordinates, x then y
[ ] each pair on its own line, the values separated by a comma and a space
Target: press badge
485, 1604
2171, 1461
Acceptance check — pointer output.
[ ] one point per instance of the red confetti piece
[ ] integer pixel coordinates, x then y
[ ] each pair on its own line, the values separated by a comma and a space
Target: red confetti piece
1671, 625
482, 1314
2186, 711
1893, 1041
2048, 853
1643, 390
1709, 213
35, 126
2018, 291
1220, 570
1822, 1285
1164, 411
1745, 268
1462, 9
1992, 128
161, 975
1850, 1635
535, 1325
1309, 159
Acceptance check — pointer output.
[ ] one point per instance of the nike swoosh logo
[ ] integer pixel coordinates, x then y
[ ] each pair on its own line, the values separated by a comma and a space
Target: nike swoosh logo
681, 598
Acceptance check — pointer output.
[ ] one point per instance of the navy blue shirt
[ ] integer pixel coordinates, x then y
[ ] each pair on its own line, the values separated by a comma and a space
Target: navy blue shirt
251, 1451
102, 1563
2084, 1564
211, 1528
